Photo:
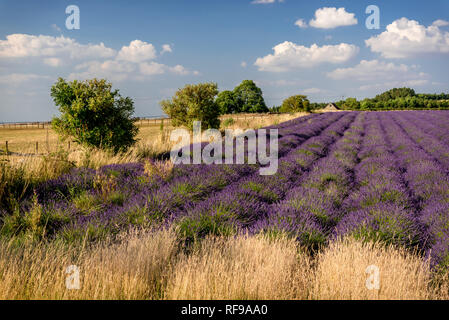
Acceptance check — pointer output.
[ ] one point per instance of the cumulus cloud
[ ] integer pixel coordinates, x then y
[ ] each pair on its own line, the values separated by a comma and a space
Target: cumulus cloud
243, 64
166, 48
56, 28
312, 91
133, 61
137, 51
393, 75
394, 84
24, 46
288, 56
329, 18
300, 23
18, 78
369, 70
110, 69
440, 23
264, 1
152, 68
404, 38
53, 62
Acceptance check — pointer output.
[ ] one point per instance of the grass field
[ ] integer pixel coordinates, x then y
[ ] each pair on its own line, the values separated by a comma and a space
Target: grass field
154, 134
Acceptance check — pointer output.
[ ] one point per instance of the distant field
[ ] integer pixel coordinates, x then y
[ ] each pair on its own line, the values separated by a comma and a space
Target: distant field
23, 140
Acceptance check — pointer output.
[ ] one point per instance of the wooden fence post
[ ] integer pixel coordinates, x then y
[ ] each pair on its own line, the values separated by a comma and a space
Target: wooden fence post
7, 151
37, 147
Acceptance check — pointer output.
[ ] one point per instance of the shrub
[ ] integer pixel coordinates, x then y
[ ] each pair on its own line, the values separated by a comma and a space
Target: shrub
295, 104
94, 115
194, 103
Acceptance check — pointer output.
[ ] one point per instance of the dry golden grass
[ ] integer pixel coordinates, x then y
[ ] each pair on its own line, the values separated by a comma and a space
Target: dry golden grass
341, 273
241, 268
133, 269
149, 265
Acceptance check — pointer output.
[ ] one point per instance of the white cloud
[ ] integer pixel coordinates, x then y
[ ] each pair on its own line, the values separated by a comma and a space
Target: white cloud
263, 1
178, 69
56, 28
152, 68
137, 51
288, 56
24, 46
440, 23
109, 69
329, 18
392, 75
53, 62
166, 48
87, 61
313, 91
18, 78
404, 38
370, 70
301, 23
243, 64
394, 84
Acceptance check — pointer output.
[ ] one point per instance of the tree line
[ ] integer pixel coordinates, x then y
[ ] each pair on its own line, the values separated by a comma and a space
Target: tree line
397, 99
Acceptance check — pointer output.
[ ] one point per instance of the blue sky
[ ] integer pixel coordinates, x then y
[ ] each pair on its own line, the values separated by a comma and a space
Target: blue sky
148, 49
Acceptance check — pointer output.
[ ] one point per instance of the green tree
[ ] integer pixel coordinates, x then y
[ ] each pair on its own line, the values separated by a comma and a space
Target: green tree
395, 93
227, 102
194, 103
93, 114
296, 103
249, 97
351, 104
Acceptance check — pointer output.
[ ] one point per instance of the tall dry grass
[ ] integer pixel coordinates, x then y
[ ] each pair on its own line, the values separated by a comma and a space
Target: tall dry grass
241, 268
342, 273
144, 265
135, 268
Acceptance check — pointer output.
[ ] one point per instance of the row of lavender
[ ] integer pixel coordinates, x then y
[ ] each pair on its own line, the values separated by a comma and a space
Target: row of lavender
114, 197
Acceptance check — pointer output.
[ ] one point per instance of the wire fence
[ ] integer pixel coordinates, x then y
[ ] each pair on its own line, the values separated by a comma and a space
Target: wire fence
141, 121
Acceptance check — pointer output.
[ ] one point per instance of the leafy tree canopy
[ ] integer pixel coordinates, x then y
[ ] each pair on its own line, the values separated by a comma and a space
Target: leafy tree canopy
194, 103
227, 102
93, 114
249, 97
296, 103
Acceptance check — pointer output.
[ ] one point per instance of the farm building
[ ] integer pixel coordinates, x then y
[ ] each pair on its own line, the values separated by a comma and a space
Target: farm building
331, 107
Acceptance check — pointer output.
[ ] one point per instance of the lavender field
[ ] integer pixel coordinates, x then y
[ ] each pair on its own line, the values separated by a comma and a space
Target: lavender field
376, 176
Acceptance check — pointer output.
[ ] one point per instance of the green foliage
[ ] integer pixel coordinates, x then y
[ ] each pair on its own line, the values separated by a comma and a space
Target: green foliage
397, 99
296, 103
351, 104
196, 227
228, 122
249, 97
395, 93
194, 103
93, 114
227, 102
275, 109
